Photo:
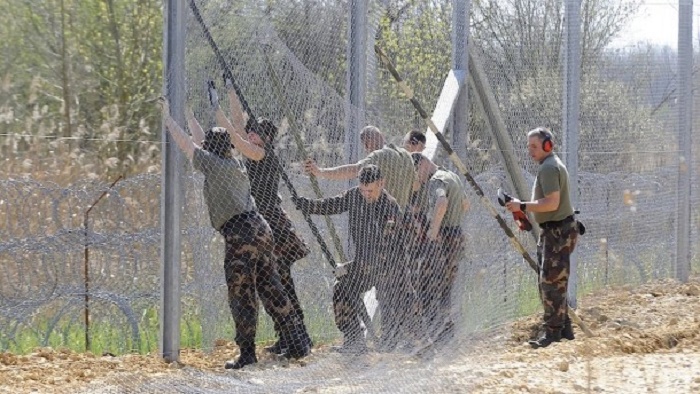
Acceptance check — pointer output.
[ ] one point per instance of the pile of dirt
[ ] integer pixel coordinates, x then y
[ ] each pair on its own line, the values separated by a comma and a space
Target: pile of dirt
647, 339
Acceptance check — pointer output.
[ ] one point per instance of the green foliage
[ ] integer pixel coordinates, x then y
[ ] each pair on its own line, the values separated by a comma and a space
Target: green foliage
87, 71
417, 37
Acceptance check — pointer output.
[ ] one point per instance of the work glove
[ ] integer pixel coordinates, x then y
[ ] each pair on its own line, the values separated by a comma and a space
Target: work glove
213, 95
228, 80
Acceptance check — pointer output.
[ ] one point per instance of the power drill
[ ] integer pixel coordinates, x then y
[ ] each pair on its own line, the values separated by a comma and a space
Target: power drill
520, 217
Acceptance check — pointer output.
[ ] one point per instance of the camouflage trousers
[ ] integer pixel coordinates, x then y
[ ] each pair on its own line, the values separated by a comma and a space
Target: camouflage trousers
251, 271
554, 249
438, 272
347, 297
288, 247
399, 284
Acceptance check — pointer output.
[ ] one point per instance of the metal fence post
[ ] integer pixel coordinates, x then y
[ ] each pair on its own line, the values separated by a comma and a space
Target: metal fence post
356, 78
685, 105
460, 61
171, 191
570, 114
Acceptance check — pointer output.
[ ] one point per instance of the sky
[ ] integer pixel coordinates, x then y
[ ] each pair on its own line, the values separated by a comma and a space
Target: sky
657, 22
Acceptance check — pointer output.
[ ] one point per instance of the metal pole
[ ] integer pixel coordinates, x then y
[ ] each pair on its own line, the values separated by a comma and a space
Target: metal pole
460, 61
356, 79
685, 105
172, 190
356, 84
570, 114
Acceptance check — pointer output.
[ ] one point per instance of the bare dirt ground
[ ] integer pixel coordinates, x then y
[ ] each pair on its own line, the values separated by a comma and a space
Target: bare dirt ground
647, 341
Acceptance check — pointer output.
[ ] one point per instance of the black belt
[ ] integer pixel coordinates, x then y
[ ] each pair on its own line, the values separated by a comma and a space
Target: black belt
557, 223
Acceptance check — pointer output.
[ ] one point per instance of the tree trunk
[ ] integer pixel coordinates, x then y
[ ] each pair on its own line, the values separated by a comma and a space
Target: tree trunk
65, 76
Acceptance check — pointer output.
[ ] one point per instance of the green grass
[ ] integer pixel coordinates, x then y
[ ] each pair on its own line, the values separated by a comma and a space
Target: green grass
118, 339
484, 306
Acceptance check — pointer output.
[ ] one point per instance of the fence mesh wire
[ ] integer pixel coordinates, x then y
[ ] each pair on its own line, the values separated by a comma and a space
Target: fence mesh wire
289, 61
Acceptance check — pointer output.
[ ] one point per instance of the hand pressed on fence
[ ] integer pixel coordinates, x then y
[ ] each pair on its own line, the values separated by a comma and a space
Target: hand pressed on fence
264, 172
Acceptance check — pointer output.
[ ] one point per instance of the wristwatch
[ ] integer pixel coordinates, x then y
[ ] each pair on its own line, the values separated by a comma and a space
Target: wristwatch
522, 206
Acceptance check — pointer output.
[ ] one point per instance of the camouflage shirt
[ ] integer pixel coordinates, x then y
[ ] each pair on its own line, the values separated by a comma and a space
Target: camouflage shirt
371, 224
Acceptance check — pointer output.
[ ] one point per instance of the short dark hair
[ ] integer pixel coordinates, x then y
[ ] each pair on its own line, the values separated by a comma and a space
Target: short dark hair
415, 137
217, 141
262, 127
369, 174
417, 158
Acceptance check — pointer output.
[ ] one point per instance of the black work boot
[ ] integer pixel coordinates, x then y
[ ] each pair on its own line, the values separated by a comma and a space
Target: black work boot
546, 339
277, 348
247, 357
568, 331
280, 347
353, 343
298, 344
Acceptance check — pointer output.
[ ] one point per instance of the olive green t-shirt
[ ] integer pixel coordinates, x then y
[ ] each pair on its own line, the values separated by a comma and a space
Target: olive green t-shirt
552, 176
397, 169
226, 186
448, 184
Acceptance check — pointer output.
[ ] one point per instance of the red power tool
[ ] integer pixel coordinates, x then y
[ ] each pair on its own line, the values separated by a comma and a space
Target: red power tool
520, 217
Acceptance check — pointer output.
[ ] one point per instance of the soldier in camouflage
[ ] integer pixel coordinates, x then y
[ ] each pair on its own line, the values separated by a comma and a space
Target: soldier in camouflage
264, 172
249, 265
551, 205
372, 213
399, 177
445, 205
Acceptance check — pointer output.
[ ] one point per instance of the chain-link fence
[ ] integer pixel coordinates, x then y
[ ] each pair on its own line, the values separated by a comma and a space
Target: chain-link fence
81, 258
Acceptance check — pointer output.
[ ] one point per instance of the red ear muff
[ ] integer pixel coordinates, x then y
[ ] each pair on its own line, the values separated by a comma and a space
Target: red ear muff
547, 144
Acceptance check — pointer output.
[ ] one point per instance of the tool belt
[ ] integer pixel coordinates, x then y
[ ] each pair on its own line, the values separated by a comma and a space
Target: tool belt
558, 223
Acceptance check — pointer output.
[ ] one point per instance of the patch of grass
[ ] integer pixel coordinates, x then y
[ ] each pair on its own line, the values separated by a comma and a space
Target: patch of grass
118, 339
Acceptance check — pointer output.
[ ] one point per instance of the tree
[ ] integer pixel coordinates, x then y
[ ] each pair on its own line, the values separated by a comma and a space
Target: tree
86, 71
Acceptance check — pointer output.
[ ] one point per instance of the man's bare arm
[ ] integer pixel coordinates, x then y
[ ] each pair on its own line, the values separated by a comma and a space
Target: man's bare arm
195, 127
183, 141
438, 215
548, 203
237, 118
244, 146
347, 171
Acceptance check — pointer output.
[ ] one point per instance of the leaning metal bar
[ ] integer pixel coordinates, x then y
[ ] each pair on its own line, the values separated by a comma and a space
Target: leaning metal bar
285, 178
295, 128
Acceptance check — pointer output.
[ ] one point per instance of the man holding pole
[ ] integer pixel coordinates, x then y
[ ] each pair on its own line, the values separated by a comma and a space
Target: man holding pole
249, 266
551, 205
372, 213
264, 172
399, 176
